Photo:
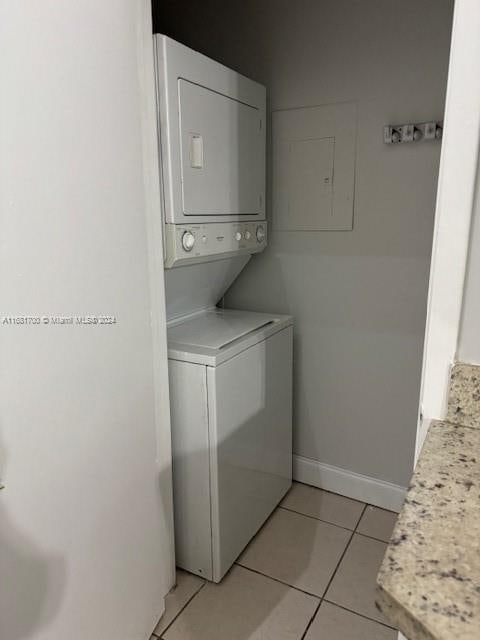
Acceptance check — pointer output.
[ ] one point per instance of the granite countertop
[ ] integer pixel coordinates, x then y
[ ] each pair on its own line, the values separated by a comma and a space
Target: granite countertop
429, 582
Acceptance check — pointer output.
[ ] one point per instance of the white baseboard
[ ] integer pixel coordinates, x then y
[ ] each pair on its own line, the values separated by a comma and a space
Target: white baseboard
348, 483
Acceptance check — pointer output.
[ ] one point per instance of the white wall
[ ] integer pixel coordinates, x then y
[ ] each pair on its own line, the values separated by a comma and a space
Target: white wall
359, 298
469, 340
85, 515
445, 339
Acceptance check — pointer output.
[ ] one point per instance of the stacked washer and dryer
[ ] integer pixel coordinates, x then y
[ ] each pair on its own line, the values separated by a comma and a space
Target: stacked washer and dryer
230, 371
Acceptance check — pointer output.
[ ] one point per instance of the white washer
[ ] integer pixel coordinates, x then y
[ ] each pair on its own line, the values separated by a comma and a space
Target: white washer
230, 391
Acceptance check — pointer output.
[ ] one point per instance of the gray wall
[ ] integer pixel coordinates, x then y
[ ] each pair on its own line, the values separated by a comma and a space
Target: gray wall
359, 298
469, 341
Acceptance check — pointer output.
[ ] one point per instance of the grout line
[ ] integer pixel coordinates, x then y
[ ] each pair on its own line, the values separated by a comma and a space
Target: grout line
334, 573
360, 517
324, 599
285, 584
343, 555
181, 610
311, 619
319, 519
319, 598
341, 495
362, 615
359, 533
365, 535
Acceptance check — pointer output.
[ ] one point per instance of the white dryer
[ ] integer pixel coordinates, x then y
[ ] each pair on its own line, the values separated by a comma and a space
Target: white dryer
230, 392
212, 157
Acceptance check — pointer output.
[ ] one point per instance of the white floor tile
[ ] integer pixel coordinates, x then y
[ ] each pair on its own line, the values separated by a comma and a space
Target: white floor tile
326, 506
354, 583
377, 523
301, 551
244, 606
334, 623
186, 587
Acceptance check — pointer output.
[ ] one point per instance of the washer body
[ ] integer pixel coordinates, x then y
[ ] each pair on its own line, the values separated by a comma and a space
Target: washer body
230, 393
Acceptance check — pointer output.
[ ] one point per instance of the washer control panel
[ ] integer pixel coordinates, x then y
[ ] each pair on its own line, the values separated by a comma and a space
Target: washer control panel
191, 243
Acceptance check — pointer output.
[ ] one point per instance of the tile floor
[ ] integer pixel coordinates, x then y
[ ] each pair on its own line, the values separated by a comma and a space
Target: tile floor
309, 574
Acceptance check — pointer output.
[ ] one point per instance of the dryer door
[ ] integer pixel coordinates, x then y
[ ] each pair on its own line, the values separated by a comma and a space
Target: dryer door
222, 154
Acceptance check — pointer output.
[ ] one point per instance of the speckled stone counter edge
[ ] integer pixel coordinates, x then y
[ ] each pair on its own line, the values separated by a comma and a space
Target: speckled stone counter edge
400, 617
464, 395
441, 475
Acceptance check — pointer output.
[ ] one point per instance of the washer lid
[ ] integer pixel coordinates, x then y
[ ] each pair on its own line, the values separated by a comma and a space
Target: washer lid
218, 328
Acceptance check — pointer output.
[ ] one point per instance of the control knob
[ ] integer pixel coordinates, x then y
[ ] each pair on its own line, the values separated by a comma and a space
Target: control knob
238, 236
188, 240
260, 234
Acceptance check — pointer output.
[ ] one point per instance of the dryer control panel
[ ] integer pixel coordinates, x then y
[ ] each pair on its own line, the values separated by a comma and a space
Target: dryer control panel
191, 243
